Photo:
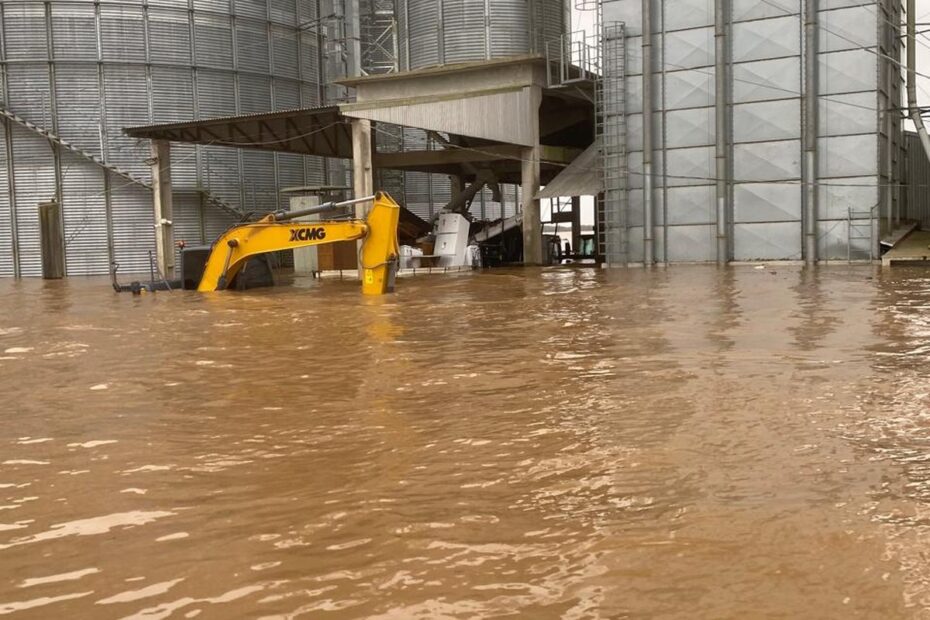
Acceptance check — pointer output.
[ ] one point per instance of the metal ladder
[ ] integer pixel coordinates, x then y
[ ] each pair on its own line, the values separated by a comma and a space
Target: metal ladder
860, 226
610, 104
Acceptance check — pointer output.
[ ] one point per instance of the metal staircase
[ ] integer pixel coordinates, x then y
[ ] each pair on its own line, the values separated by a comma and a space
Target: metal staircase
55, 139
61, 142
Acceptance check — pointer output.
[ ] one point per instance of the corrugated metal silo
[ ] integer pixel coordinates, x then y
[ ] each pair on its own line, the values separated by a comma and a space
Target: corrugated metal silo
451, 31
83, 70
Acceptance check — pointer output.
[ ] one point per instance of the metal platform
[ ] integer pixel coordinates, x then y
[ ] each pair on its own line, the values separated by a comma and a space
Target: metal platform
915, 248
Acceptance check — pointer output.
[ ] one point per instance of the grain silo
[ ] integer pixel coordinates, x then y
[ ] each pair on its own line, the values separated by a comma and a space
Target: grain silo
75, 72
751, 129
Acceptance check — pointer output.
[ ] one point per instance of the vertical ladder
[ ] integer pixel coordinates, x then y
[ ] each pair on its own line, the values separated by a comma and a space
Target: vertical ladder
860, 226
610, 103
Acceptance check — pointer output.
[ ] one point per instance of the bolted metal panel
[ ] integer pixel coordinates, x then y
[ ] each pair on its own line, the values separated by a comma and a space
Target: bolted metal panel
766, 38
845, 29
692, 243
767, 161
127, 103
688, 89
690, 14
692, 166
77, 121
744, 10
767, 120
848, 114
838, 196
85, 216
75, 31
691, 205
133, 226
766, 202
766, 79
847, 72
771, 241
693, 127
254, 95
687, 49
122, 33
24, 32
169, 36
252, 46
451, 31
847, 156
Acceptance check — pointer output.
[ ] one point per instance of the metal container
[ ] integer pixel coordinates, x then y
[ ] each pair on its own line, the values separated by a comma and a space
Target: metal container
438, 32
83, 70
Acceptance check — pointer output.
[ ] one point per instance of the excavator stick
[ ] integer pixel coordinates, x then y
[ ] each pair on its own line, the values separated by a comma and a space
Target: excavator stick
275, 232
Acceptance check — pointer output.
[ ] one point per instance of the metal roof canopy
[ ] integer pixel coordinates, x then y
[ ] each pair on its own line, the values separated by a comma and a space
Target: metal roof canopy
486, 106
580, 178
322, 131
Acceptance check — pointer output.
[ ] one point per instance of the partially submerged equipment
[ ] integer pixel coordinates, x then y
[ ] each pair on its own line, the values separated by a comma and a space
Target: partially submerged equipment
217, 267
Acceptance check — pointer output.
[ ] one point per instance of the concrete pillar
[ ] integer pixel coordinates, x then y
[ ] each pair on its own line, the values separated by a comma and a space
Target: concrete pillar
529, 180
532, 224
363, 174
164, 207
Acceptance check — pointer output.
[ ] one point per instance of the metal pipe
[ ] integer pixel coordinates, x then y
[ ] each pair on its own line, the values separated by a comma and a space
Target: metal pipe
912, 106
720, 109
648, 236
283, 216
811, 113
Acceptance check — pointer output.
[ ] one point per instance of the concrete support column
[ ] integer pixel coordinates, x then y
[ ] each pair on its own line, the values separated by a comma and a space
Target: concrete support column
363, 172
164, 207
532, 222
530, 177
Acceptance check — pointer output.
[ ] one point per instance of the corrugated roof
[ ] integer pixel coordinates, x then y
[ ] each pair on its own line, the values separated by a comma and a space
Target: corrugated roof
320, 131
580, 178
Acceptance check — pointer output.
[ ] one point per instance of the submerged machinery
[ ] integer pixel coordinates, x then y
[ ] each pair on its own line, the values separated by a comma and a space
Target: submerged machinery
219, 266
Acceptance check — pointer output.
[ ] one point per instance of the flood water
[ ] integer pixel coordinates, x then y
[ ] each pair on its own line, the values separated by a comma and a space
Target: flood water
681, 443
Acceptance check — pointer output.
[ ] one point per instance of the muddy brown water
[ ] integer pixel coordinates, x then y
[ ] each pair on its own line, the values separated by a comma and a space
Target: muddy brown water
561, 443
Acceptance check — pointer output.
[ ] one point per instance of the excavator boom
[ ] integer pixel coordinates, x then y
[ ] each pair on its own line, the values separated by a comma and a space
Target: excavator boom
377, 257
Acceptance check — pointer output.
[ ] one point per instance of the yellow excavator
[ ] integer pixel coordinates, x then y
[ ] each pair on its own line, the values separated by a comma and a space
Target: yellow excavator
216, 267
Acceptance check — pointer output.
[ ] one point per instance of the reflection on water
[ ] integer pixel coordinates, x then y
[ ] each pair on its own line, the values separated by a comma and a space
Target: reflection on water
679, 443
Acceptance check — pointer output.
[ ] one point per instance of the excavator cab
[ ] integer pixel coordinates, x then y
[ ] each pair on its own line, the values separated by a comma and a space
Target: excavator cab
221, 266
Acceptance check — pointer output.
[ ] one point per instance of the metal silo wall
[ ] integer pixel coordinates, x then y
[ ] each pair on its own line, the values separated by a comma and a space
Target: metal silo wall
84, 70
765, 59
451, 31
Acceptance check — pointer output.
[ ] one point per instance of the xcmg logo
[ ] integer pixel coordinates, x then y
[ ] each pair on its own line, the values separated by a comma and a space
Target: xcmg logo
308, 234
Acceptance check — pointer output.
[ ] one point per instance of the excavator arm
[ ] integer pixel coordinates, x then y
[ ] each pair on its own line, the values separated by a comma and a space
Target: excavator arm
276, 232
